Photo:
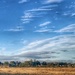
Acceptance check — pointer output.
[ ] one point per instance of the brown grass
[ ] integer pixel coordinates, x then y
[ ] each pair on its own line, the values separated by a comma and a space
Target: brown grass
37, 71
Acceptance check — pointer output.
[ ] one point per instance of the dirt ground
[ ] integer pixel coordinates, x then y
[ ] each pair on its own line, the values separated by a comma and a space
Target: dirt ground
37, 71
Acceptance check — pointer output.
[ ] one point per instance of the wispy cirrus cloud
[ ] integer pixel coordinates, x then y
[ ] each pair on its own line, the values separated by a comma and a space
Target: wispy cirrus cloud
43, 8
45, 24
69, 28
29, 15
66, 29
51, 1
22, 1
40, 9
16, 29
70, 14
43, 29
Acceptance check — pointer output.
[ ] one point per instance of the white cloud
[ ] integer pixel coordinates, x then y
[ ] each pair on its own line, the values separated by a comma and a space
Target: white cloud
16, 29
22, 1
43, 29
51, 1
69, 28
50, 48
46, 49
45, 23
73, 14
29, 15
70, 14
40, 9
43, 8
49, 6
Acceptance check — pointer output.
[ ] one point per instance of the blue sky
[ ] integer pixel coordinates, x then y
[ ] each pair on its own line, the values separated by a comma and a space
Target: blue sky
37, 29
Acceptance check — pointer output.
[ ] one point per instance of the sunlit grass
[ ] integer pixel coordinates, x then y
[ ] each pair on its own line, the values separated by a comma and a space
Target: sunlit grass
37, 71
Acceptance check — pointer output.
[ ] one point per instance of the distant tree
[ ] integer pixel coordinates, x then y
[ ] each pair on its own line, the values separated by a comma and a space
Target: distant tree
44, 63
28, 63
1, 63
17, 63
6, 64
36, 63
12, 64
21, 64
61, 64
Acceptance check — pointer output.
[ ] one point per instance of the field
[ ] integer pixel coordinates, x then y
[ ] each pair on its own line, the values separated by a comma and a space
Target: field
37, 71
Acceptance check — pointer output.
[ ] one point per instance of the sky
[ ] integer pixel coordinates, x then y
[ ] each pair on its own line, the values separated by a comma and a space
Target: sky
37, 29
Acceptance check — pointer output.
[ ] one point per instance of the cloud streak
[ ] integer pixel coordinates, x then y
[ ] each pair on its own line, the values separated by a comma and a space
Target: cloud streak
51, 1
43, 29
69, 28
29, 15
22, 1
45, 24
16, 29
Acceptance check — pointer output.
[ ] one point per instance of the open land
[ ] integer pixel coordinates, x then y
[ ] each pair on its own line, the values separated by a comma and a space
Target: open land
37, 71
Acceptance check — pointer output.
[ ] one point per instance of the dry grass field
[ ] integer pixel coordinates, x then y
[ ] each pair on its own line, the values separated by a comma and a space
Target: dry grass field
37, 71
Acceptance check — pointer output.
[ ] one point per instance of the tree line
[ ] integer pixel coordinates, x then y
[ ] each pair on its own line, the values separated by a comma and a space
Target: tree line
35, 63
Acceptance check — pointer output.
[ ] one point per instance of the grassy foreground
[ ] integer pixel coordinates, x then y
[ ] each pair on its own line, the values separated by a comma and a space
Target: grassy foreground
37, 71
